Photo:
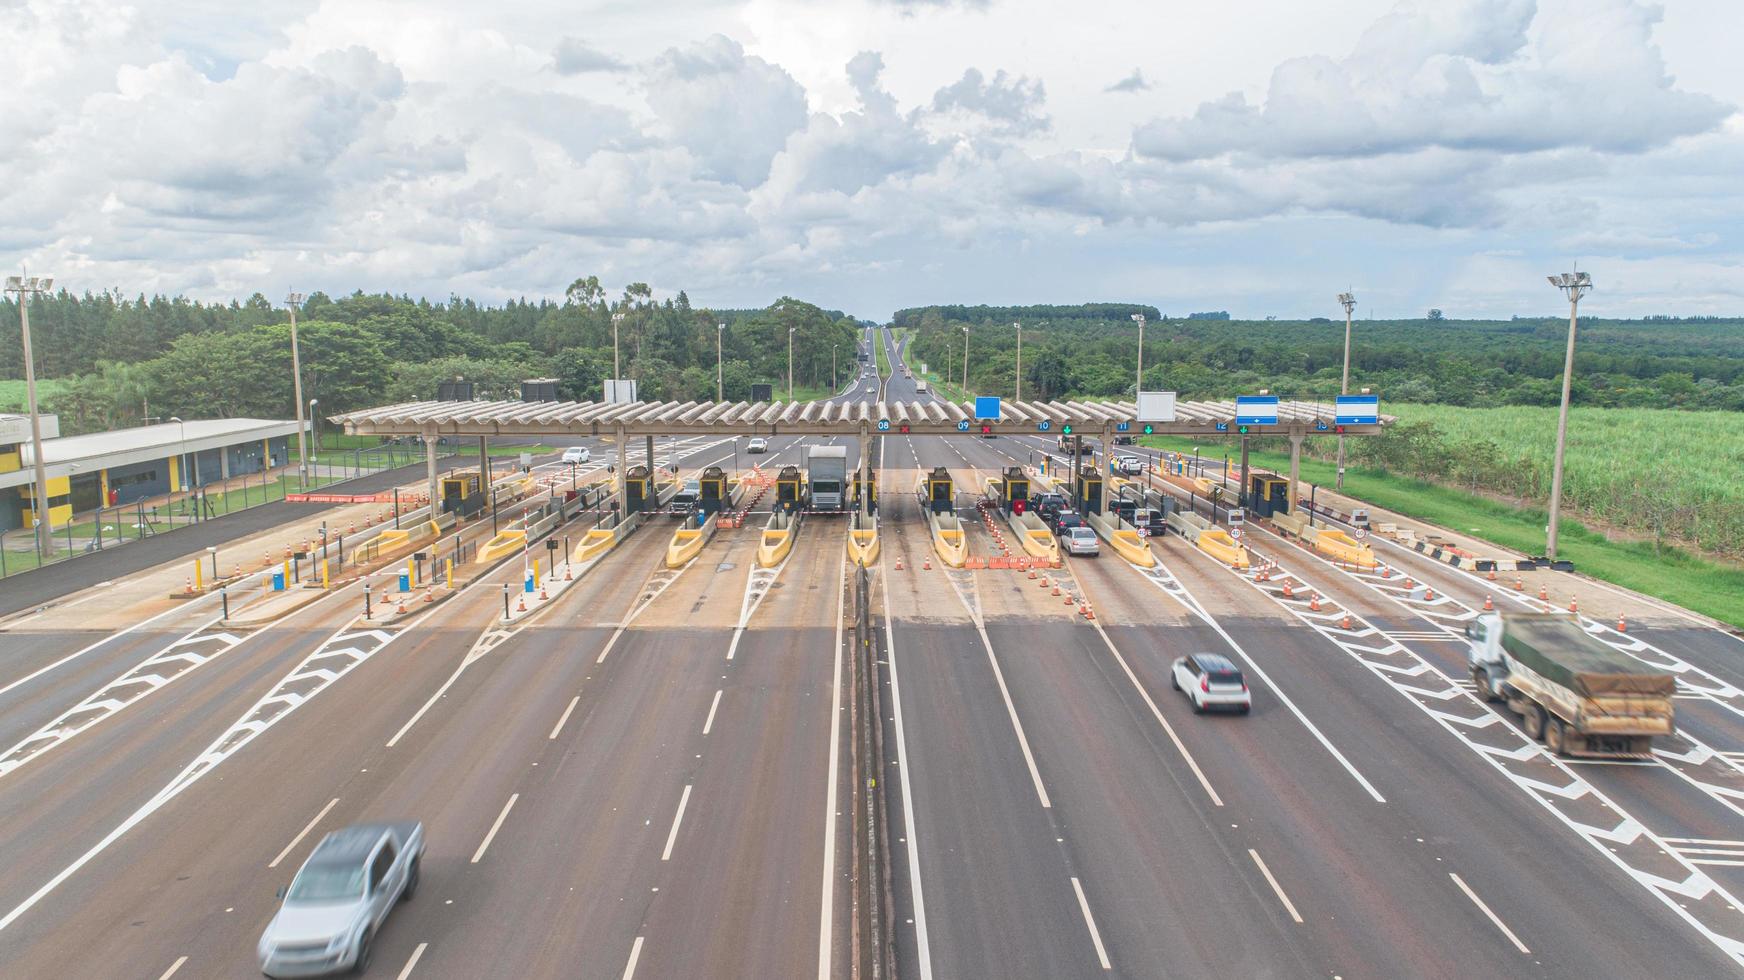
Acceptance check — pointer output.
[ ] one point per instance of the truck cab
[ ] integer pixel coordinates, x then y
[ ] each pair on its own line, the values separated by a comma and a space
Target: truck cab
340, 898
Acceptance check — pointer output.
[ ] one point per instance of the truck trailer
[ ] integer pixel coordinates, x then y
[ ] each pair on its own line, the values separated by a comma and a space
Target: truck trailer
826, 473
1577, 695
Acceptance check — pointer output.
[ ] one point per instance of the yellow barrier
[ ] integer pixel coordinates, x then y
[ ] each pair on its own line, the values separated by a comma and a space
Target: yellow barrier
1219, 545
774, 547
863, 545
505, 543
1342, 547
1133, 548
597, 543
949, 541
390, 540
687, 542
1035, 537
1204, 486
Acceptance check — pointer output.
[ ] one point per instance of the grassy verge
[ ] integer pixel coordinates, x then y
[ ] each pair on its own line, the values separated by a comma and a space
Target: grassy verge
882, 354
1672, 574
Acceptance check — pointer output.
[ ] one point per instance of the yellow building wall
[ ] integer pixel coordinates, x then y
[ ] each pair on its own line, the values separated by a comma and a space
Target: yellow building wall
9, 461
58, 486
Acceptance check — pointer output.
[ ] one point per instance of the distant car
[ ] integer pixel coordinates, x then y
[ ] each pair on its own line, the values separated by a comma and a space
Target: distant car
1210, 680
1065, 520
576, 454
1081, 540
686, 499
1124, 440
338, 901
758, 444
1132, 465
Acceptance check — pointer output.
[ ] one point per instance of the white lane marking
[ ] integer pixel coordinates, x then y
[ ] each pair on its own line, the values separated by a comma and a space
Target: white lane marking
495, 827
828, 901
303, 833
677, 818
922, 944
1095, 937
177, 965
635, 954
69, 658
560, 722
1492, 915
611, 642
1276, 888
417, 954
1011, 709
710, 722
1170, 729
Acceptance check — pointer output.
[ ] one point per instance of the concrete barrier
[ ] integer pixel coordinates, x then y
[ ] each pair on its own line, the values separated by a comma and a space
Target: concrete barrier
687, 542
1217, 543
1124, 539
600, 540
778, 537
1344, 548
949, 540
863, 540
1037, 540
1187, 524
1294, 525
504, 543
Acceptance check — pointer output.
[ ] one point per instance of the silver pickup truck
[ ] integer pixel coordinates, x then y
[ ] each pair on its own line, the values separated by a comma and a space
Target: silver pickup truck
340, 898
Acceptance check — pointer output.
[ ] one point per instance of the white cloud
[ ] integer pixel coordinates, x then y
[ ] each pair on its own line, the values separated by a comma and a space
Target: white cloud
733, 111
1011, 105
573, 56
1134, 82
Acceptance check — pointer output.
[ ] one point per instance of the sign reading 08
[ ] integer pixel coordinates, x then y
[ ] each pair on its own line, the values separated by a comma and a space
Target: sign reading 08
883, 425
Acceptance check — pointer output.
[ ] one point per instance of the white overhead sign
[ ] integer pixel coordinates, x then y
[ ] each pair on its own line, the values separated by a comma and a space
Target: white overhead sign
1156, 406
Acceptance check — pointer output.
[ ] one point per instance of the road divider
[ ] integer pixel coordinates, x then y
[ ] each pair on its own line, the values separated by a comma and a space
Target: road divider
688, 540
1124, 538
1218, 543
862, 539
778, 537
949, 541
1037, 540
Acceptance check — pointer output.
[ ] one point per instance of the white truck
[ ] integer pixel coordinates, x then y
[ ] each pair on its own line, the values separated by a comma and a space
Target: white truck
919, 386
1581, 697
826, 474
338, 901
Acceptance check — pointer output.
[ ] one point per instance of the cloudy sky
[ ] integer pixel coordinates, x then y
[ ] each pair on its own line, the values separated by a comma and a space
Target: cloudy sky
1256, 156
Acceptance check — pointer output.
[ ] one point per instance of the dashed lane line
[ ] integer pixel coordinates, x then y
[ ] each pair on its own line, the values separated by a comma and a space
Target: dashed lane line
303, 833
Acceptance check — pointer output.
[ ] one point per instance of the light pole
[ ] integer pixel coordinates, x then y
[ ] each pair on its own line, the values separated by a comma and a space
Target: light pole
1138, 383
1348, 301
834, 349
965, 362
182, 454
314, 427
1018, 396
617, 318
790, 363
28, 287
292, 301
720, 332
1575, 285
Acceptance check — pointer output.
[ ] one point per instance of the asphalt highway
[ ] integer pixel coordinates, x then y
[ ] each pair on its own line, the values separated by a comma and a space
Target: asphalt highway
650, 776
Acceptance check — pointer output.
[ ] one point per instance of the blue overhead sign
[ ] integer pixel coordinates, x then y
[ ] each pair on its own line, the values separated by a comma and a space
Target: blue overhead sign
1359, 409
1256, 410
987, 407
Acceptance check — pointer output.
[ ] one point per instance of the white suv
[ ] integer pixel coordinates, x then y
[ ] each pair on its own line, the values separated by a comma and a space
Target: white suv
1210, 681
576, 454
758, 444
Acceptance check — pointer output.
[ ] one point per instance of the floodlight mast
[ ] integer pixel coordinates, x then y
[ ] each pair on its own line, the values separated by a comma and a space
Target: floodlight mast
1138, 383
1348, 301
292, 302
28, 287
1574, 285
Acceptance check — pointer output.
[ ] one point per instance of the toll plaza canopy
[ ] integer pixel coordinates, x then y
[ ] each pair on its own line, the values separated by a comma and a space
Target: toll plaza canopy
823, 418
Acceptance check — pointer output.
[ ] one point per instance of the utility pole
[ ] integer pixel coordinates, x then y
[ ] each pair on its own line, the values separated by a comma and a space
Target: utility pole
27, 287
292, 301
834, 349
1019, 395
1138, 383
1348, 301
965, 362
1575, 285
720, 331
790, 363
617, 318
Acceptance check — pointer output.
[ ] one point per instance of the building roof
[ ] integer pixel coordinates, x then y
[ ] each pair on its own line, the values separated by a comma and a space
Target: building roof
68, 455
515, 418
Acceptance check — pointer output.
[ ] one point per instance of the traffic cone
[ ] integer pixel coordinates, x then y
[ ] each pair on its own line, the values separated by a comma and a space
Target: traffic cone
522, 606
542, 596
402, 611
351, 528
1089, 613
1492, 575
1622, 627
1409, 585
1428, 593
1314, 603
899, 563
1287, 593
1574, 605
567, 577
1489, 605
1032, 573
1056, 590
1344, 624
1519, 584
427, 596
1543, 594
189, 587
1070, 599
926, 561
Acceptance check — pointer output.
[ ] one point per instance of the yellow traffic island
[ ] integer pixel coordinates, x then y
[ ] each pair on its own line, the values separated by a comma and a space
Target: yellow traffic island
778, 537
687, 542
949, 541
1342, 547
863, 540
1124, 539
1217, 543
505, 543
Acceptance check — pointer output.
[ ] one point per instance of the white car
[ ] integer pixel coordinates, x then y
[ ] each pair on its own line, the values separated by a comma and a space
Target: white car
1132, 466
758, 444
1210, 680
1081, 540
576, 454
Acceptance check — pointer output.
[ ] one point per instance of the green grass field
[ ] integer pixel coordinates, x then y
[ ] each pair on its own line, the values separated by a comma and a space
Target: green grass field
12, 393
1713, 588
882, 354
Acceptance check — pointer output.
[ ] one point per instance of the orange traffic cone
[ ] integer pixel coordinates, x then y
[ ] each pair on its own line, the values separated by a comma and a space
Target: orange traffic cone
1574, 605
427, 596
1287, 593
1428, 593
189, 586
1032, 573
1314, 603
1409, 585
1489, 604
522, 606
926, 561
542, 596
1519, 584
1344, 624
1622, 626
1056, 590
567, 577
1543, 594
1070, 598
402, 611
1492, 575
899, 563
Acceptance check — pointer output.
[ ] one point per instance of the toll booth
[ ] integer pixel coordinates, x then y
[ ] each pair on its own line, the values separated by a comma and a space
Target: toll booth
940, 495
712, 496
865, 487
1014, 489
462, 493
1268, 495
789, 489
638, 489
1089, 490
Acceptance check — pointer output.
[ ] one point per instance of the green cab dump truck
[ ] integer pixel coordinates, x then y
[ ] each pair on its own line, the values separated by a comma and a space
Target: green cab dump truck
1579, 696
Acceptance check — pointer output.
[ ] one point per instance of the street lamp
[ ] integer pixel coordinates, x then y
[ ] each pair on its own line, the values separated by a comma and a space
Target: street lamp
1575, 285
182, 456
26, 287
965, 362
617, 318
1018, 396
834, 349
1138, 383
720, 332
1348, 301
790, 363
314, 426
292, 301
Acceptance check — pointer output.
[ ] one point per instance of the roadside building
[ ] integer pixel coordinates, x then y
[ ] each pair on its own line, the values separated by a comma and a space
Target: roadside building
105, 469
